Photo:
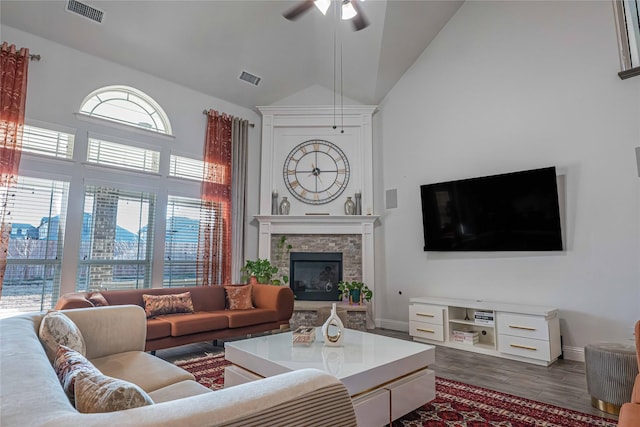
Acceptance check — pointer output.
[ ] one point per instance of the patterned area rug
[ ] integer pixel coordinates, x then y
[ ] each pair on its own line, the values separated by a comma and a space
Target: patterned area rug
456, 404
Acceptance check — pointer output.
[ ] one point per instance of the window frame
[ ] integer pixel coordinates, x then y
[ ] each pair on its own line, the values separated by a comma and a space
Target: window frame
127, 91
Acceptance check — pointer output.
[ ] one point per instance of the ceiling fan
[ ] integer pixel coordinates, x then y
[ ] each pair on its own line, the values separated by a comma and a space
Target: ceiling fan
350, 9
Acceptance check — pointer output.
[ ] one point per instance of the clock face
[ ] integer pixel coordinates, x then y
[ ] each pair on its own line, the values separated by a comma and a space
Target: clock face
316, 172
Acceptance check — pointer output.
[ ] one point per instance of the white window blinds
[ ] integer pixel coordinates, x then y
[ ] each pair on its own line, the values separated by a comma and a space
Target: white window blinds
47, 142
186, 167
109, 153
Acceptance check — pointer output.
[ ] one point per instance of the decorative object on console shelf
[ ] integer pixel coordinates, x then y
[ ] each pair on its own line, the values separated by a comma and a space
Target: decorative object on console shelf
358, 203
332, 339
285, 206
355, 291
349, 207
484, 317
465, 336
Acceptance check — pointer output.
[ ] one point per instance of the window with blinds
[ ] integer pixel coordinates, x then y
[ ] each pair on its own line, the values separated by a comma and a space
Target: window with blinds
47, 142
186, 167
181, 242
34, 258
109, 153
117, 239
128, 106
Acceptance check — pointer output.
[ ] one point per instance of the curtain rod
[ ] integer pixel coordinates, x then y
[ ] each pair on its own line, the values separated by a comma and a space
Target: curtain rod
34, 57
205, 112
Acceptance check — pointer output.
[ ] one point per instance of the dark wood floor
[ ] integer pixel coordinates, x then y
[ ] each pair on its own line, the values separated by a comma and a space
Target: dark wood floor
562, 384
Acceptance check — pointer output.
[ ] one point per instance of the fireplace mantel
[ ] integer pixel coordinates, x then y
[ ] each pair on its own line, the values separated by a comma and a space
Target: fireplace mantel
316, 224
322, 224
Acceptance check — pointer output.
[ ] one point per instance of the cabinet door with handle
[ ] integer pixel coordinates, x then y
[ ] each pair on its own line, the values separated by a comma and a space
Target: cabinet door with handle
428, 331
427, 313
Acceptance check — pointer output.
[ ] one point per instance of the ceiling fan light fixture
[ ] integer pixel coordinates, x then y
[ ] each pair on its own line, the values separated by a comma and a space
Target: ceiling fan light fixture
322, 5
348, 12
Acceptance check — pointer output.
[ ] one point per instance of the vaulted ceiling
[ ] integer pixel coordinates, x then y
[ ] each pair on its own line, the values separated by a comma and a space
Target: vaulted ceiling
205, 45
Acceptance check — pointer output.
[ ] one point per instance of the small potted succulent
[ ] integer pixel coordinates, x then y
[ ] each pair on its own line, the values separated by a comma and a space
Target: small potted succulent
355, 291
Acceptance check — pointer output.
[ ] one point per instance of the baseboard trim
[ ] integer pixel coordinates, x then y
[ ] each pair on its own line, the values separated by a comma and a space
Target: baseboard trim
573, 353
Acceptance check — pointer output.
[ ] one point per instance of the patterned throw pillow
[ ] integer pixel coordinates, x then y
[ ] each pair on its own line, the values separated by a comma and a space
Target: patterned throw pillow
96, 392
67, 365
155, 305
57, 329
238, 297
98, 300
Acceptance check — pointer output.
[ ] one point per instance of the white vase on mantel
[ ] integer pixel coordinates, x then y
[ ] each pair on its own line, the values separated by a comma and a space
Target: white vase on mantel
333, 329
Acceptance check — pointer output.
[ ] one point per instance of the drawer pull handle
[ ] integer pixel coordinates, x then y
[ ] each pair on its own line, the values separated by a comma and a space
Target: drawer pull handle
425, 315
526, 328
524, 347
431, 331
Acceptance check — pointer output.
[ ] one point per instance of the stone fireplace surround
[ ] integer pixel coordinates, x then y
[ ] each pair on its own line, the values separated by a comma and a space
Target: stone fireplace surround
352, 235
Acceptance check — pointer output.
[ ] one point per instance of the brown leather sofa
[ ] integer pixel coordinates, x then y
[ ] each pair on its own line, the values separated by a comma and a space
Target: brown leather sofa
210, 320
630, 412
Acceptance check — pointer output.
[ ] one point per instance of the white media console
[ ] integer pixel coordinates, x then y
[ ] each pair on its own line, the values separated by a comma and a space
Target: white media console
526, 333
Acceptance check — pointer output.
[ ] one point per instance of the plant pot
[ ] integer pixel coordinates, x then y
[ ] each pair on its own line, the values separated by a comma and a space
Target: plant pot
354, 297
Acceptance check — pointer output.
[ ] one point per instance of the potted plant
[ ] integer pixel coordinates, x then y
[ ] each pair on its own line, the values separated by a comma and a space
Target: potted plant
261, 271
355, 291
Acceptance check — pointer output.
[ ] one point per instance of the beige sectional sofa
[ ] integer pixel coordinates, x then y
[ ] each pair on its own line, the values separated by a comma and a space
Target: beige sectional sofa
31, 394
210, 321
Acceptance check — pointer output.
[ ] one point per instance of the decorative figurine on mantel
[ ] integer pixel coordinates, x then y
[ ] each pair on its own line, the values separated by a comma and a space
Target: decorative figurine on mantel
274, 202
332, 339
285, 205
349, 207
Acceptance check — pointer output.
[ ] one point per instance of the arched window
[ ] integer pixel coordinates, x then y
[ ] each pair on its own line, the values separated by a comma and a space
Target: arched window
127, 105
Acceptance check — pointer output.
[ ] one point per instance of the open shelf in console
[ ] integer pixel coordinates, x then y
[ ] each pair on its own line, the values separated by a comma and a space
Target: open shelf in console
463, 319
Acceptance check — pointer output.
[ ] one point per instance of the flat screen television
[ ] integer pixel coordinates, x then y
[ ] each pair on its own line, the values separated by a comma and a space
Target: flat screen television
516, 211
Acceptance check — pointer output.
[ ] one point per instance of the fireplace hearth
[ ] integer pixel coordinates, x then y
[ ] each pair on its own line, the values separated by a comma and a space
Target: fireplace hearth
314, 276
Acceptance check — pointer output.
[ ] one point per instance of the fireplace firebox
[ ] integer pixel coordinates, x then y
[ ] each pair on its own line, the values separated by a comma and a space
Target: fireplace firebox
314, 276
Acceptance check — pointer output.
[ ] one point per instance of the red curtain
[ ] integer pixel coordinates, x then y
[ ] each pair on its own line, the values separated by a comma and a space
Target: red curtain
13, 95
214, 243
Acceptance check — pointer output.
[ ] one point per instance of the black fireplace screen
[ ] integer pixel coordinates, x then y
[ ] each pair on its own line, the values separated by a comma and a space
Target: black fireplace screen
315, 275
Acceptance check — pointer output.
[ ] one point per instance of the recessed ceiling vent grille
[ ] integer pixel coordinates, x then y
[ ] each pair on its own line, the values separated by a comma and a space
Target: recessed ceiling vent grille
85, 10
250, 78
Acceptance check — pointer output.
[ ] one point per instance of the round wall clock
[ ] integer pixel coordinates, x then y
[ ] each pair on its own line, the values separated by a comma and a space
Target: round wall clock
316, 172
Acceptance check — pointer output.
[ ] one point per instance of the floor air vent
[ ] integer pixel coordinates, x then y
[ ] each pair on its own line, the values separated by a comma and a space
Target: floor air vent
85, 10
250, 78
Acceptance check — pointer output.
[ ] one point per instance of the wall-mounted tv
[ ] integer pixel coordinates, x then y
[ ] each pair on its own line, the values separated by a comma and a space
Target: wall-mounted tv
516, 211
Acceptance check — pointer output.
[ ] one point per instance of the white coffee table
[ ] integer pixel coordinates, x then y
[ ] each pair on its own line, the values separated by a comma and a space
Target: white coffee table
386, 377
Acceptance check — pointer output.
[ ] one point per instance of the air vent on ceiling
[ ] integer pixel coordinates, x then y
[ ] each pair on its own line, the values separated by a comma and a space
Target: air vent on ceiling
85, 10
248, 77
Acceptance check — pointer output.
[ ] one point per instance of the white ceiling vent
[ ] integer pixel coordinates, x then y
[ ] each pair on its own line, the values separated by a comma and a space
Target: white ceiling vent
85, 10
250, 78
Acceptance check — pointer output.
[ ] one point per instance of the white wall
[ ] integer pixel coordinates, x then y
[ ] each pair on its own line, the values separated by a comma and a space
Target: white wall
64, 77
510, 86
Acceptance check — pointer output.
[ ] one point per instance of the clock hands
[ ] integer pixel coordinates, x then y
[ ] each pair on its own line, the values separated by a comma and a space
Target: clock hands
315, 171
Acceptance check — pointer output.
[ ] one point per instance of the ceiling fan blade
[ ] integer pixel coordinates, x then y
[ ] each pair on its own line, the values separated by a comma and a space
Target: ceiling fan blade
299, 9
360, 22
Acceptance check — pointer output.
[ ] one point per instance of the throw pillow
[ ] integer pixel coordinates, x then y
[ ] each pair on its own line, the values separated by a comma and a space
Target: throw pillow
98, 300
238, 297
155, 305
55, 329
67, 365
96, 392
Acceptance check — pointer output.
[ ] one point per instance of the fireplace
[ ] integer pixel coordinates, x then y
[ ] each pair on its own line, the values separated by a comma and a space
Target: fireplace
314, 276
